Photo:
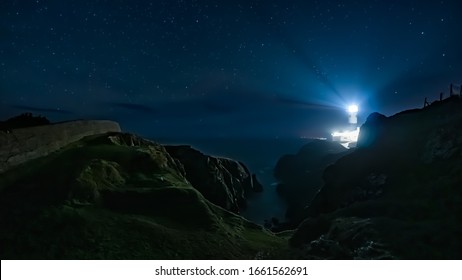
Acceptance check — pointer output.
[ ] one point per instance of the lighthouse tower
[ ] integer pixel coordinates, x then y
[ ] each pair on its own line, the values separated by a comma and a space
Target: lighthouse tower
353, 115
349, 137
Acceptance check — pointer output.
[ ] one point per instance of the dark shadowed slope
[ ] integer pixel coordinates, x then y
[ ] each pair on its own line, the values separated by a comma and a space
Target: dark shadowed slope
399, 195
300, 175
118, 196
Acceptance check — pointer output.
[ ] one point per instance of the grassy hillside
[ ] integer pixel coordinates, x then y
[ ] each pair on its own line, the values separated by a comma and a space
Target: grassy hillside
117, 196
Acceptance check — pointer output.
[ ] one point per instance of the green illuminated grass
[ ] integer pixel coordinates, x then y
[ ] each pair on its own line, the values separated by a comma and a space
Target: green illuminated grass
100, 200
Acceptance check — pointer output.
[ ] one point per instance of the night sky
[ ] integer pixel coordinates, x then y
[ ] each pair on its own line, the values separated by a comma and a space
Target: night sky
186, 69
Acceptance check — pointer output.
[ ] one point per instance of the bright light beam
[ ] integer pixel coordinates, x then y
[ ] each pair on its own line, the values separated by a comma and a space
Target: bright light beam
353, 108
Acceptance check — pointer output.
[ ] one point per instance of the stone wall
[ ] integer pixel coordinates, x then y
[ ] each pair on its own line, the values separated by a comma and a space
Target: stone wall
21, 145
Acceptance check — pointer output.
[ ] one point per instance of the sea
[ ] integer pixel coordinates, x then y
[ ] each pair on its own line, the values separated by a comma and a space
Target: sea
260, 156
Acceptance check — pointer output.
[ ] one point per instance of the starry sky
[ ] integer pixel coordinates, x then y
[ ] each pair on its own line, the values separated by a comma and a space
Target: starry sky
241, 68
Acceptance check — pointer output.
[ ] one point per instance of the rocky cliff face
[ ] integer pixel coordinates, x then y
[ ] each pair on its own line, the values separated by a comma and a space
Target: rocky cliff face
398, 195
300, 175
223, 181
119, 196
20, 145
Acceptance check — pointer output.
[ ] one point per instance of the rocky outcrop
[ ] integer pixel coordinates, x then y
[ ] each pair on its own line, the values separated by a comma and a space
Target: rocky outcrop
372, 130
223, 181
341, 238
300, 175
401, 184
443, 143
119, 196
22, 121
20, 145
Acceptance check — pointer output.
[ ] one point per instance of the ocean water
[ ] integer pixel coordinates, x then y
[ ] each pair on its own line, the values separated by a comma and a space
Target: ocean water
260, 156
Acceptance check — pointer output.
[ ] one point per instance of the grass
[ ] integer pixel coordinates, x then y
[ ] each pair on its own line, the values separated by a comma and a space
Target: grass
101, 200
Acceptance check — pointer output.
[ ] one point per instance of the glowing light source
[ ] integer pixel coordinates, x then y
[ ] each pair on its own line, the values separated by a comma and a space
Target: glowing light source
346, 137
353, 108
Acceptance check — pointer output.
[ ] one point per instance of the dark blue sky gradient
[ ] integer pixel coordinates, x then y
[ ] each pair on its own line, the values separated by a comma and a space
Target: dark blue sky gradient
192, 69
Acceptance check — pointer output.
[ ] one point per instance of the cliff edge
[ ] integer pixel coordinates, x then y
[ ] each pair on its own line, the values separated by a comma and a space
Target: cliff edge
23, 144
398, 195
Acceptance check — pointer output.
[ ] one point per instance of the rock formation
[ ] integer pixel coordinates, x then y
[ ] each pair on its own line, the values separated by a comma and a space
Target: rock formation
119, 196
397, 195
23, 144
223, 181
22, 121
300, 175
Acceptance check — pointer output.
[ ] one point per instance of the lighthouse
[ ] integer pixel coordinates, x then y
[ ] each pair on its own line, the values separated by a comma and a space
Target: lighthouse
353, 115
349, 137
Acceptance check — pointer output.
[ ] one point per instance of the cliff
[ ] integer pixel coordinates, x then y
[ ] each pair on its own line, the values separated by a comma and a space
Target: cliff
23, 144
300, 175
223, 181
398, 195
119, 196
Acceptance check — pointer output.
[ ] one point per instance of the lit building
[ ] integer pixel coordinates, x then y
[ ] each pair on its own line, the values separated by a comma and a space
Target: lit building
348, 138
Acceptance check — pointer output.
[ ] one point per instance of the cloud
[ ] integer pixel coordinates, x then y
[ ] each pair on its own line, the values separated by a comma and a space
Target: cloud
304, 104
219, 107
42, 110
134, 107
